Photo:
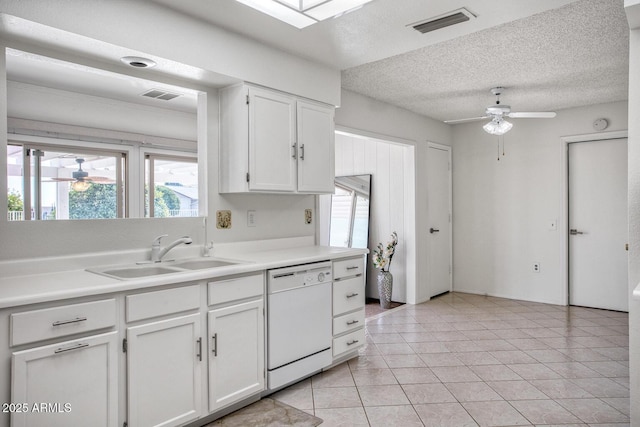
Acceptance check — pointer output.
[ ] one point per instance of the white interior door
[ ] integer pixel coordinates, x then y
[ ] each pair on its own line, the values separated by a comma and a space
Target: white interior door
439, 218
598, 224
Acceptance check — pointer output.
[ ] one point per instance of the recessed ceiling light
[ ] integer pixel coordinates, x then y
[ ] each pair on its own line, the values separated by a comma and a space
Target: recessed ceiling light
138, 62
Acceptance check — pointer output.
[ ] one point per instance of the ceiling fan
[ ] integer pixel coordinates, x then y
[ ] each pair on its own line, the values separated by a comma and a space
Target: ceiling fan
497, 113
81, 179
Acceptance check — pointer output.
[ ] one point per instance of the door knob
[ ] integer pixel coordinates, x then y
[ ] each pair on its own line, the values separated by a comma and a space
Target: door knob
433, 230
573, 232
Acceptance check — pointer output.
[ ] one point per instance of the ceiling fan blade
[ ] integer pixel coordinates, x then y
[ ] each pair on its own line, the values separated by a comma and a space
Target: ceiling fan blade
473, 119
100, 179
532, 115
51, 179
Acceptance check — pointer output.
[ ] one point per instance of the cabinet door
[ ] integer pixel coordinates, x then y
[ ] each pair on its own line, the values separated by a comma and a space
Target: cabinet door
73, 383
236, 356
316, 148
272, 150
164, 362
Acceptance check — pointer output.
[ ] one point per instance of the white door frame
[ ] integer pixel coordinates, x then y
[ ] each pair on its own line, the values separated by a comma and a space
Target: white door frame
566, 140
450, 207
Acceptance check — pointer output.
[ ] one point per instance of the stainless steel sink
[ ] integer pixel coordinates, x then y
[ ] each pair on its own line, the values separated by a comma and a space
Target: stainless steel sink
198, 264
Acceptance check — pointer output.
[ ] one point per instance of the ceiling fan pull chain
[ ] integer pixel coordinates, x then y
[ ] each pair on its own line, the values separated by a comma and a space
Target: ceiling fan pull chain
503, 146
498, 148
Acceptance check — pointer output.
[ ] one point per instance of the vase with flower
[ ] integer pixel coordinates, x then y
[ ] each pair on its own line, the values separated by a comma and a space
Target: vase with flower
382, 256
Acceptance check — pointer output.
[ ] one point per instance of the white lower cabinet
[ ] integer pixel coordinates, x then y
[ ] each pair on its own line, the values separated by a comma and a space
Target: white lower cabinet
236, 355
164, 371
348, 307
71, 383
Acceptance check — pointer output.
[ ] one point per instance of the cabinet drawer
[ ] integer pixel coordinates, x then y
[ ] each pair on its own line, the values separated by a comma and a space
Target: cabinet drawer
348, 295
160, 303
235, 289
349, 342
348, 267
37, 325
348, 322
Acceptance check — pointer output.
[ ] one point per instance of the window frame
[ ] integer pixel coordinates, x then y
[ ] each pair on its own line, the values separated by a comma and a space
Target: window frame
151, 156
31, 143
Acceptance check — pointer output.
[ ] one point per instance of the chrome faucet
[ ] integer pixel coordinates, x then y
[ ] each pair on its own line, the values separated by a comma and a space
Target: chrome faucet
157, 254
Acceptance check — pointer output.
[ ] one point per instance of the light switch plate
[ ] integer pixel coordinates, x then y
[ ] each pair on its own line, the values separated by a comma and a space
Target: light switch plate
251, 218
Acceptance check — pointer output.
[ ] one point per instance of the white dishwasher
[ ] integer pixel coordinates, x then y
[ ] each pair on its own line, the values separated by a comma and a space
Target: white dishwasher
298, 322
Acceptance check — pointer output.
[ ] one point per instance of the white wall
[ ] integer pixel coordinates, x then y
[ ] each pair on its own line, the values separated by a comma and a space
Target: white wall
155, 30
185, 40
501, 209
33, 102
391, 188
633, 14
365, 116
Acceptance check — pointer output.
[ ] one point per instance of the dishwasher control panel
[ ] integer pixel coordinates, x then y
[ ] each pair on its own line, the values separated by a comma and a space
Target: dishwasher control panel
282, 279
319, 275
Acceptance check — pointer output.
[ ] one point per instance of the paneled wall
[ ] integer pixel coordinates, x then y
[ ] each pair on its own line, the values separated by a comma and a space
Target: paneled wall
387, 163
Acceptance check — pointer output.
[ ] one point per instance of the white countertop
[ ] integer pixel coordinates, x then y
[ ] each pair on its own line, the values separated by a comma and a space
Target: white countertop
43, 286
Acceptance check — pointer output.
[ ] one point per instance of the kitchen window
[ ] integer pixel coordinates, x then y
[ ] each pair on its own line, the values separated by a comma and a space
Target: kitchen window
172, 183
49, 182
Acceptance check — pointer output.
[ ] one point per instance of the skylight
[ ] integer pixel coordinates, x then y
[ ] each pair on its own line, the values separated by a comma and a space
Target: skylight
302, 13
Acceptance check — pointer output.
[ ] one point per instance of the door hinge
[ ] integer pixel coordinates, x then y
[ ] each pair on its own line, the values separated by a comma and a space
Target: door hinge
124, 345
247, 176
247, 99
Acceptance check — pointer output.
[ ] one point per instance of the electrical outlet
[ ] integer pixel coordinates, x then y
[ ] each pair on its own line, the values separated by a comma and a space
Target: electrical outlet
308, 216
251, 218
536, 267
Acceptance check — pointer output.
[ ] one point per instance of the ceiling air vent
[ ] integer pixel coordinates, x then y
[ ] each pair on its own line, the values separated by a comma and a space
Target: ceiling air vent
451, 18
160, 94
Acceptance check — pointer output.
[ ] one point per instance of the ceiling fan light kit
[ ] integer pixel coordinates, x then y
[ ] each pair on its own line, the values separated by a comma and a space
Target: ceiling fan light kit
80, 186
497, 112
497, 126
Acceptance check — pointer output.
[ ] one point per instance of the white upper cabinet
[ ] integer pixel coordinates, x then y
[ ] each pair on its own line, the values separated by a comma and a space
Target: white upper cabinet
272, 142
316, 148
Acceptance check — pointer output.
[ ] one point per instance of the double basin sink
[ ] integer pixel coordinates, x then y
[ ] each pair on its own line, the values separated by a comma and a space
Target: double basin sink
124, 272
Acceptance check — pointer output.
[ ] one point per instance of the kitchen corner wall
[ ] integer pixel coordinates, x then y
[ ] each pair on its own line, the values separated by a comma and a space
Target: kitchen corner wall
501, 209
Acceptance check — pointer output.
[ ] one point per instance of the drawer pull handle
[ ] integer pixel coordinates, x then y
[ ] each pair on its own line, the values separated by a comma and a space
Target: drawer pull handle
352, 322
352, 342
353, 267
215, 345
66, 322
71, 347
352, 295
199, 355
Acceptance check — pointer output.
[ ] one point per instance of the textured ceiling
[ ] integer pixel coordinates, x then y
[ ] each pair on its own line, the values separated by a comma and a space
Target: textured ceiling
571, 56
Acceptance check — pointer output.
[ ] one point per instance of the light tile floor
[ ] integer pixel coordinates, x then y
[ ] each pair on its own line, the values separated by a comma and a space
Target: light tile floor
467, 360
